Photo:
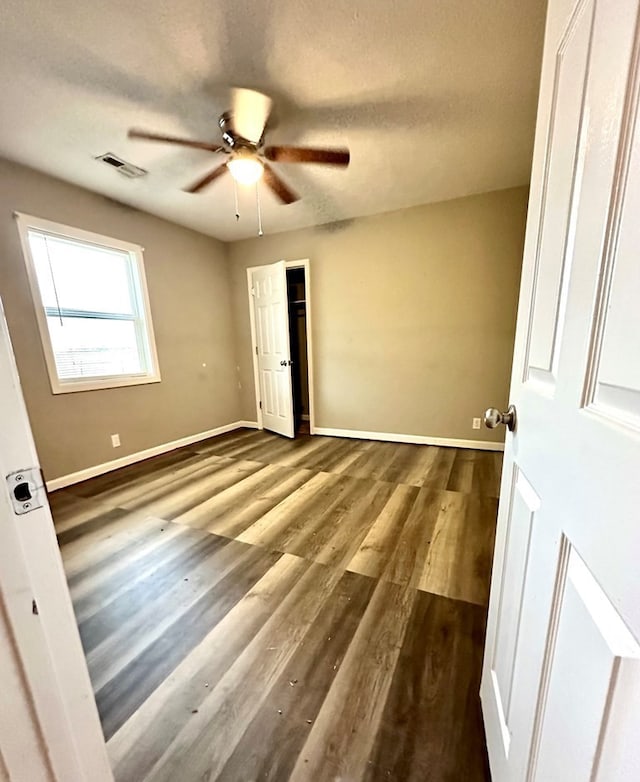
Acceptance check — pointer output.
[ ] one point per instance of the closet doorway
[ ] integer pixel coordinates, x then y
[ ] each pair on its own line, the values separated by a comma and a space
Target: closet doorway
280, 311
296, 296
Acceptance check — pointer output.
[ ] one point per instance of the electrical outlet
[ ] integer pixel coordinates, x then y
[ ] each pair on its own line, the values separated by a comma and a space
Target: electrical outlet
477, 423
115, 440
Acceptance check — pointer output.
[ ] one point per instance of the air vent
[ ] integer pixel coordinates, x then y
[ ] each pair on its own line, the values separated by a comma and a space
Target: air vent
124, 168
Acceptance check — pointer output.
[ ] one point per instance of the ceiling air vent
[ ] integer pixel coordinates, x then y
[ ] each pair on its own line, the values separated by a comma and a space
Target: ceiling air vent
124, 168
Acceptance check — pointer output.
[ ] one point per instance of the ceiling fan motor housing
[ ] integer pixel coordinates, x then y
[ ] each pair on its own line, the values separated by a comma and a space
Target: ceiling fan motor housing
230, 137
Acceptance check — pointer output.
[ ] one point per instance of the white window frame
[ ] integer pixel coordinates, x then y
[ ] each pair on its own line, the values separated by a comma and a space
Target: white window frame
135, 251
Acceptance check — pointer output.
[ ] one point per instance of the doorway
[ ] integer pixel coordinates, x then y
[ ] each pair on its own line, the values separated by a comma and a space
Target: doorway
280, 313
296, 296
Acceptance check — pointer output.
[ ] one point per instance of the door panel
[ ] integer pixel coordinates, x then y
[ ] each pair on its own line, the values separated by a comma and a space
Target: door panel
588, 645
560, 686
519, 526
271, 318
613, 381
562, 169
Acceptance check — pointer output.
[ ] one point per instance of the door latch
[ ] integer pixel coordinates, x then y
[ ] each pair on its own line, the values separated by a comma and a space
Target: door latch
26, 489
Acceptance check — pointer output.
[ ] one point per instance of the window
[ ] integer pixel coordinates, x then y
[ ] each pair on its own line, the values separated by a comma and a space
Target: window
93, 310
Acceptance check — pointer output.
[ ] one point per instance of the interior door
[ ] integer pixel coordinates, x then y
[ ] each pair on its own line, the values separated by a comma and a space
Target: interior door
271, 320
49, 725
561, 678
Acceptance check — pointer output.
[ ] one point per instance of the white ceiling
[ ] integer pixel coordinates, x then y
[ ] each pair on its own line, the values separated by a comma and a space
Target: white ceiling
436, 99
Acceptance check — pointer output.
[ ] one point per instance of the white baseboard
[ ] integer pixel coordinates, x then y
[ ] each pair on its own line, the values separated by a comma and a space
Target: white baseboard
245, 425
415, 439
132, 458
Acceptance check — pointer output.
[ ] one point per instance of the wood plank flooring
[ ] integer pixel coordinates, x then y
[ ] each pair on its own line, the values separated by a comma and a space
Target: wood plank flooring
254, 608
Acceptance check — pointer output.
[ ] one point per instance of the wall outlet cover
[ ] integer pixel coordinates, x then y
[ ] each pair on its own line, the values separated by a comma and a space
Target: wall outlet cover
115, 440
477, 423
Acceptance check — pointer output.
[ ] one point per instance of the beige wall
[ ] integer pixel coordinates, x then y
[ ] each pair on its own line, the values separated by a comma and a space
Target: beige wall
189, 289
413, 314
413, 321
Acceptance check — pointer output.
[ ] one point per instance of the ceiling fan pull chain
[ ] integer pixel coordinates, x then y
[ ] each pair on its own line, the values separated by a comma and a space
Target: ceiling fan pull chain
260, 231
235, 197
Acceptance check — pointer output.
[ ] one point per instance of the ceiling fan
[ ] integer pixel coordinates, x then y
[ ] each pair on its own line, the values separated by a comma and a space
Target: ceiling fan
243, 128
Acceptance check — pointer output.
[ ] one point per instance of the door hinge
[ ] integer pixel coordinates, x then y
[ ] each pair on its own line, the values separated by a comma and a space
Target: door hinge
261, 404
256, 350
253, 291
26, 489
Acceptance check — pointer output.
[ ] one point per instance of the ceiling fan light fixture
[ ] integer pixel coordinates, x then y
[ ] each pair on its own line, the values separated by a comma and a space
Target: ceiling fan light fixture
245, 169
243, 129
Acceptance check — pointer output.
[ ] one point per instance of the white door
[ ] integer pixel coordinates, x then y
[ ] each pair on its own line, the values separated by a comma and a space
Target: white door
561, 679
49, 727
273, 359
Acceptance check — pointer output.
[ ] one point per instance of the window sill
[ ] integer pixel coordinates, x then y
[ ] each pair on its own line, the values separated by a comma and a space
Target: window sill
100, 384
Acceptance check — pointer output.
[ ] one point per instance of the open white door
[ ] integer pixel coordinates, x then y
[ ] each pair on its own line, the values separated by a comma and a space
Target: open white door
273, 360
561, 679
49, 726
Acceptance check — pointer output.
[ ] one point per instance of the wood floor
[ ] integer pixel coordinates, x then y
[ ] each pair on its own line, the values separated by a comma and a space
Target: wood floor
254, 608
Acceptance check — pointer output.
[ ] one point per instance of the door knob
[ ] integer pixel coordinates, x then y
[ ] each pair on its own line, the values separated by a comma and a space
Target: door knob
493, 418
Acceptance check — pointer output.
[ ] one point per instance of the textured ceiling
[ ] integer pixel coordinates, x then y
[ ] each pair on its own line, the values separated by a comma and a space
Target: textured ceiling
435, 99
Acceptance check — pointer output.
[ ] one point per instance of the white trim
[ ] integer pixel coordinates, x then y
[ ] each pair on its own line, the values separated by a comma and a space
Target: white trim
143, 320
254, 348
303, 263
70, 231
416, 439
138, 456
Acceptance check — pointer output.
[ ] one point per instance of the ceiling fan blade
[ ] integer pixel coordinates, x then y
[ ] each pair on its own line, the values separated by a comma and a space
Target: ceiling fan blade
183, 142
328, 157
282, 191
207, 179
250, 111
